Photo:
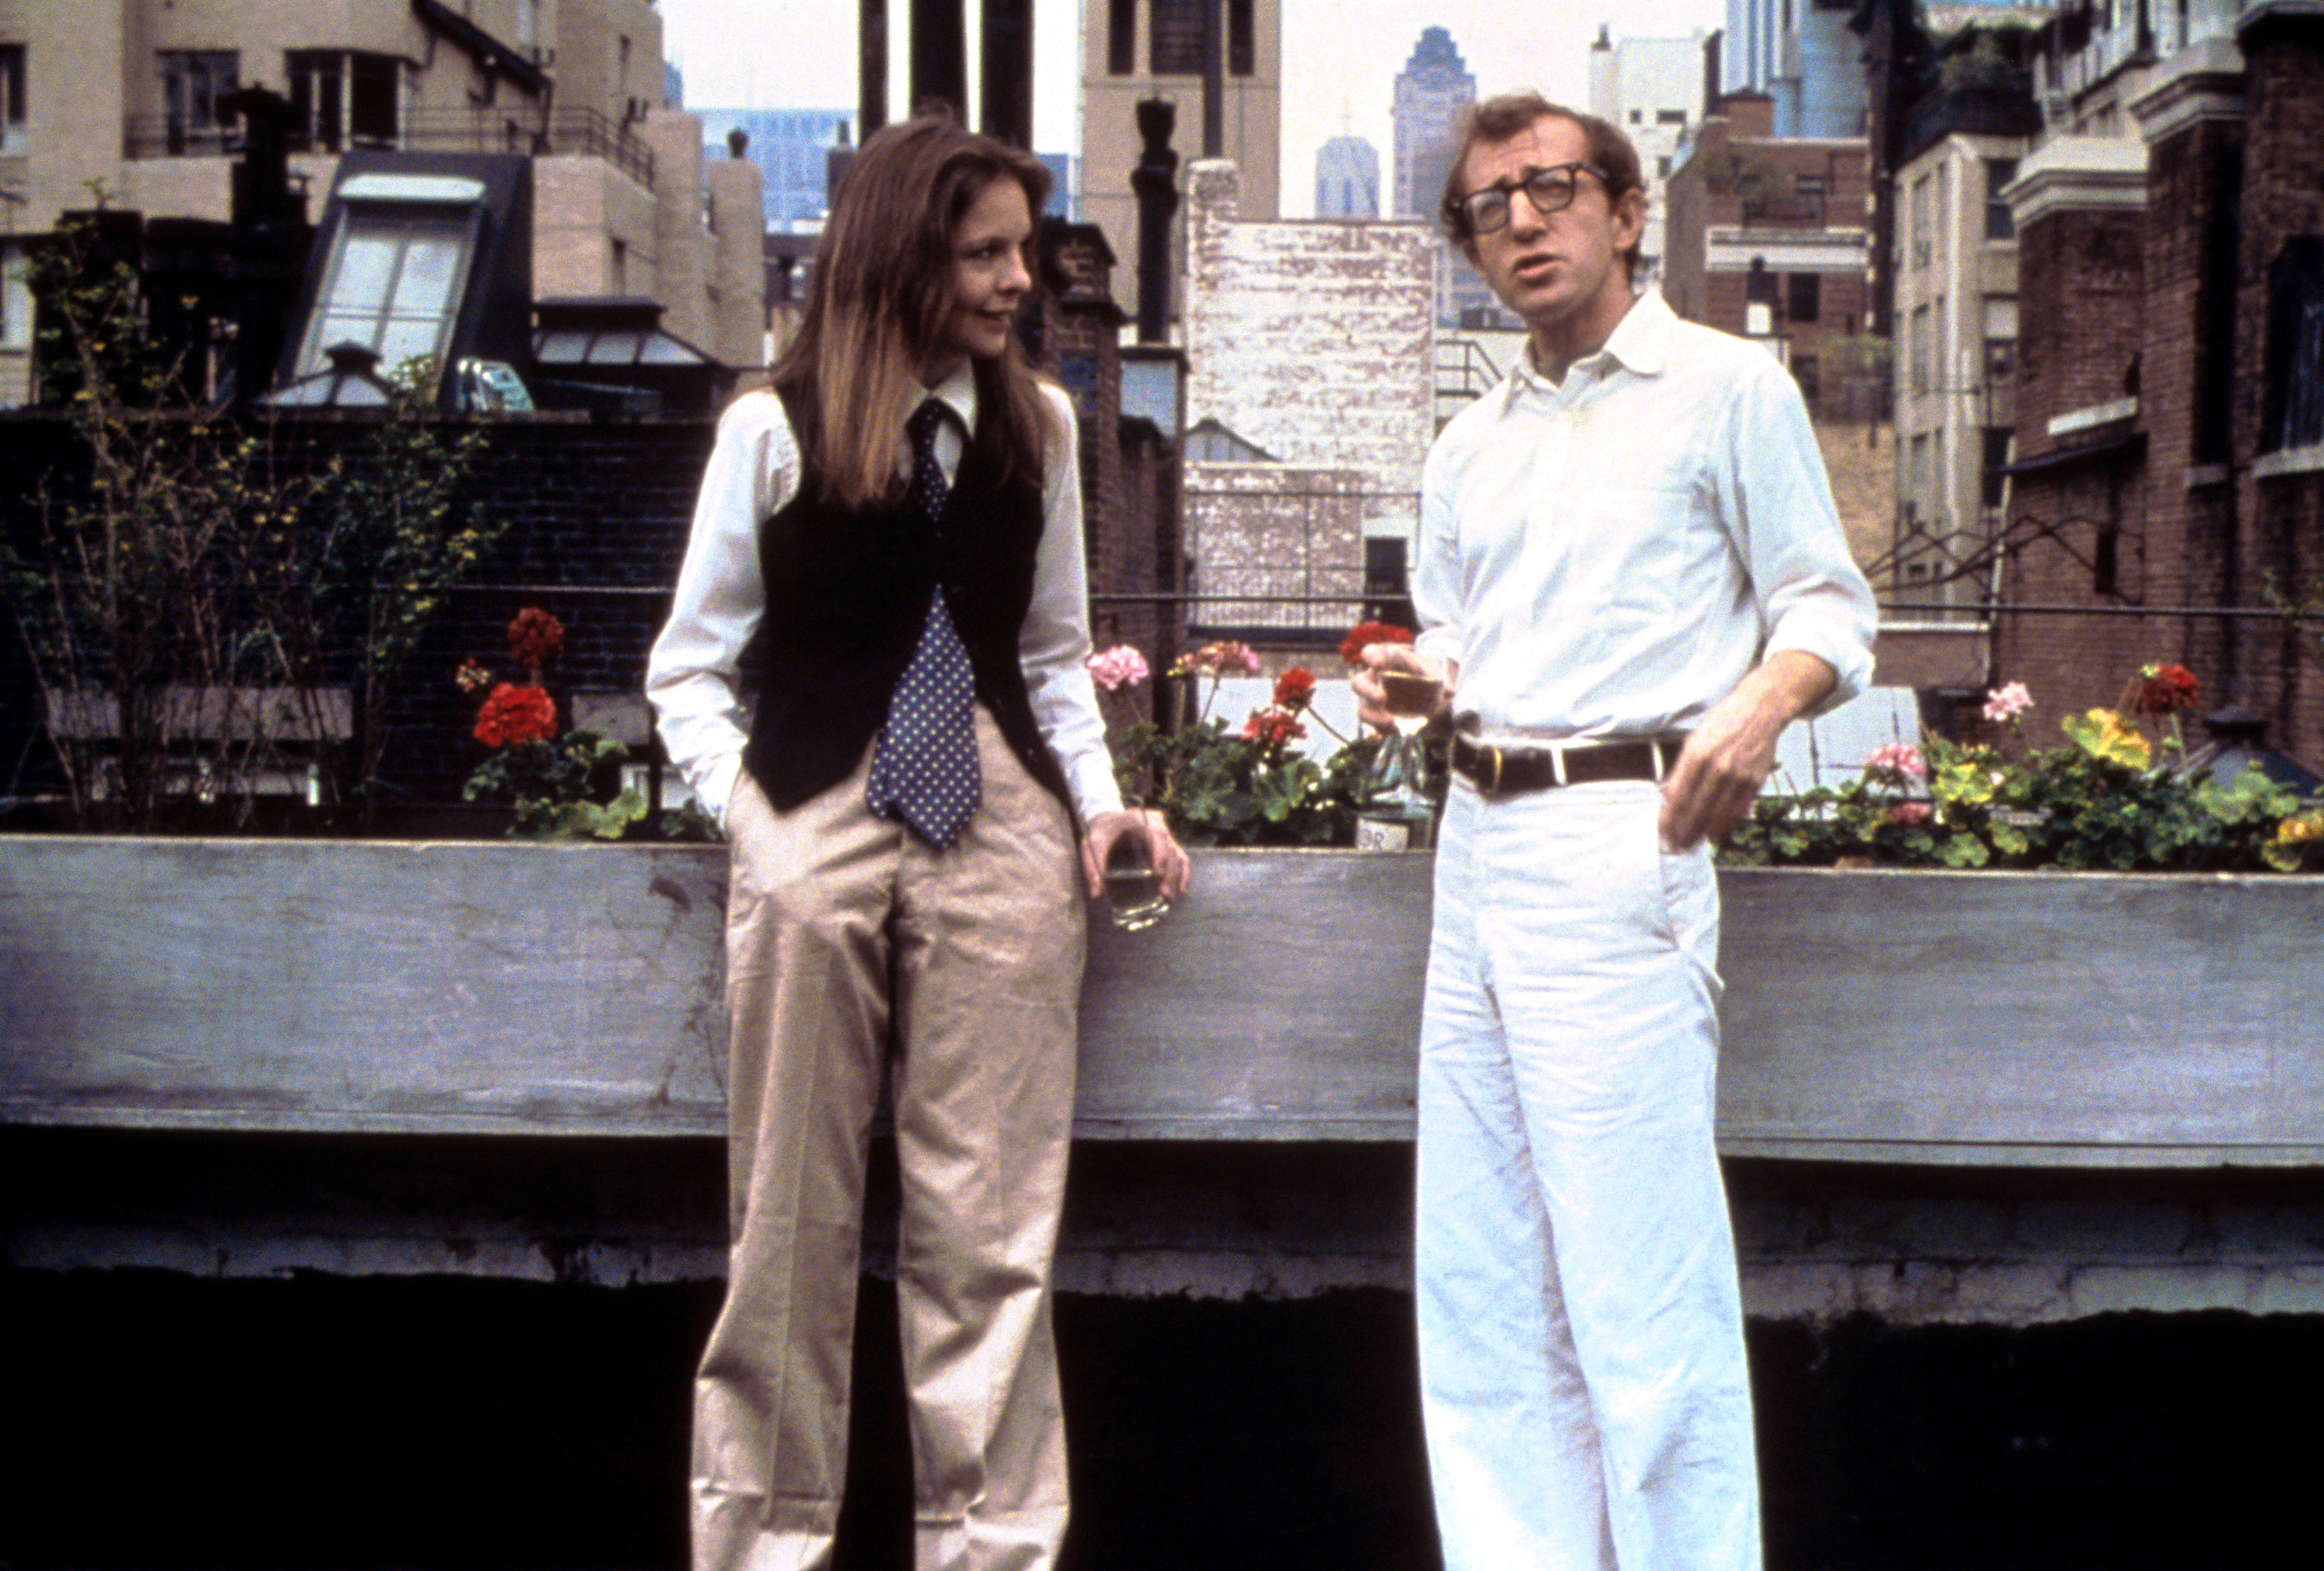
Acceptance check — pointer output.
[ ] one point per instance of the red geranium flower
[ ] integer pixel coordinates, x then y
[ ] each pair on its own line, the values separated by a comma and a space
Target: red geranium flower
535, 637
1351, 648
2165, 690
1294, 688
1273, 727
516, 714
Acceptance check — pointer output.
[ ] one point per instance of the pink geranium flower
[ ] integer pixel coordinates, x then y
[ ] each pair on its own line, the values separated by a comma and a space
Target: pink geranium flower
2007, 702
1224, 658
1898, 763
1117, 668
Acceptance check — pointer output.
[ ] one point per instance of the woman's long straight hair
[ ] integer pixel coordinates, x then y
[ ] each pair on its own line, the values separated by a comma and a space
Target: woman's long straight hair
881, 298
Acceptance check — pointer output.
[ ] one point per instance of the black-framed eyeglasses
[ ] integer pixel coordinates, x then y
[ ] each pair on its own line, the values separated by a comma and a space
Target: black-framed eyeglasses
1550, 190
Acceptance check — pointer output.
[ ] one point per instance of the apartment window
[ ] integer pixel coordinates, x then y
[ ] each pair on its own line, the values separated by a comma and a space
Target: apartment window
1923, 218
1122, 37
1761, 291
2293, 413
1808, 188
394, 284
1998, 224
1916, 476
193, 80
617, 270
1662, 168
1638, 117
1802, 296
1670, 117
11, 97
1242, 39
1922, 348
15, 296
1175, 46
2000, 340
342, 98
528, 24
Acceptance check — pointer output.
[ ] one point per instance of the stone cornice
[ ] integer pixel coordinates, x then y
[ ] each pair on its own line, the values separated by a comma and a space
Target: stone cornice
2203, 83
2079, 173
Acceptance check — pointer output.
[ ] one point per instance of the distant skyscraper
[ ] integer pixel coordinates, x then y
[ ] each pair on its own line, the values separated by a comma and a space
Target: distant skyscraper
792, 148
1434, 91
1347, 179
1434, 88
1801, 54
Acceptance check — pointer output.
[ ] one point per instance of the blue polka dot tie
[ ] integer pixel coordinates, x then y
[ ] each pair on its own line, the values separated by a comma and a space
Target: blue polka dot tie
924, 766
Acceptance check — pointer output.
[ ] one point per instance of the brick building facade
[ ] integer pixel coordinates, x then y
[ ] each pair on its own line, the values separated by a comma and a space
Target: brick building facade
1767, 239
2160, 484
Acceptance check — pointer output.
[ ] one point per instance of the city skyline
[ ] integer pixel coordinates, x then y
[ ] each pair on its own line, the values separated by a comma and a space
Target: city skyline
1340, 60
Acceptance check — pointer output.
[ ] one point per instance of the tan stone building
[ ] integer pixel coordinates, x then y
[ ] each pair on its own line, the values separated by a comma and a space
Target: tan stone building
1956, 356
1143, 48
119, 97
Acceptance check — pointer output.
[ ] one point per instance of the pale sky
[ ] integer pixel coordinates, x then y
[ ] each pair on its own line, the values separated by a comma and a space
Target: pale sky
1340, 60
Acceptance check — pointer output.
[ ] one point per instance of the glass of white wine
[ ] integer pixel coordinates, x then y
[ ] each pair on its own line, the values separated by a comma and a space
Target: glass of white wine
1397, 786
1133, 884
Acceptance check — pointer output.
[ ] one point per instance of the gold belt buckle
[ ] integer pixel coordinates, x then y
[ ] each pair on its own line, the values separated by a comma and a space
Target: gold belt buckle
1493, 787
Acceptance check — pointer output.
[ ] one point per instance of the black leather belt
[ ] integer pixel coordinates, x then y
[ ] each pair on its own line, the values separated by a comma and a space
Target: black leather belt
1500, 770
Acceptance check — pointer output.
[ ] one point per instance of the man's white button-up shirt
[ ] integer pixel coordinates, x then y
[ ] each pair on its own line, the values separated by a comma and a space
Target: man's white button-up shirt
1609, 556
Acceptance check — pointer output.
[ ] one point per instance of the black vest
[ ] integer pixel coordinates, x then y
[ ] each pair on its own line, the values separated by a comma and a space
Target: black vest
847, 598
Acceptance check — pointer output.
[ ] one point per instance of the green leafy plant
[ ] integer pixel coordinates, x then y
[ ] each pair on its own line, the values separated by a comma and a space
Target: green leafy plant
1250, 786
189, 599
2122, 794
397, 537
566, 787
152, 590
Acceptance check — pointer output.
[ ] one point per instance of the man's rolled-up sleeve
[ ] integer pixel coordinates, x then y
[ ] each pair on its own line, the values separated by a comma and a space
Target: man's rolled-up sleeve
1812, 596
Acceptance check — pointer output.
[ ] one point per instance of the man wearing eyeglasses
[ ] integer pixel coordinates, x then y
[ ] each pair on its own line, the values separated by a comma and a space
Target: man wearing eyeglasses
1632, 576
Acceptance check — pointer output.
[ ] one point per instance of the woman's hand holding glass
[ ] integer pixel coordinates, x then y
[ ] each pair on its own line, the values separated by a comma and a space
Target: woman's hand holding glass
1132, 860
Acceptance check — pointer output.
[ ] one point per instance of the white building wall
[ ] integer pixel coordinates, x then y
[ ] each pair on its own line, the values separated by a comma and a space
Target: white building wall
1313, 341
1652, 89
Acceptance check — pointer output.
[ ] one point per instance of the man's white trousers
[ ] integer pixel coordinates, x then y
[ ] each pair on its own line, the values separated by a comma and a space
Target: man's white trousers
1582, 1374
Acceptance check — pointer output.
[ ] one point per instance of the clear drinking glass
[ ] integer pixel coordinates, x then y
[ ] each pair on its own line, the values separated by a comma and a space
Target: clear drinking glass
1133, 888
1397, 786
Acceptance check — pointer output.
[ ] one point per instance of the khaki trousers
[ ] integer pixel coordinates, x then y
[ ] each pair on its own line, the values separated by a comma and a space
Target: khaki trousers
844, 934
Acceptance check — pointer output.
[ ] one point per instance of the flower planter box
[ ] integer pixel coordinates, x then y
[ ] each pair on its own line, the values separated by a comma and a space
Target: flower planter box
523, 989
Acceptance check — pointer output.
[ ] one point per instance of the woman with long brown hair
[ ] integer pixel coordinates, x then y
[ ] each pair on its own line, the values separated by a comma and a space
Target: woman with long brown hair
889, 548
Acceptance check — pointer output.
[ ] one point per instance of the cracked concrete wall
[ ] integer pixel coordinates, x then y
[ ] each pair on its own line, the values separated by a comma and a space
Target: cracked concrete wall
1818, 1242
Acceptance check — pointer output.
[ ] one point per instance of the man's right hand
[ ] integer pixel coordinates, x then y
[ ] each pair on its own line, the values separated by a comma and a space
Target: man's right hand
1371, 698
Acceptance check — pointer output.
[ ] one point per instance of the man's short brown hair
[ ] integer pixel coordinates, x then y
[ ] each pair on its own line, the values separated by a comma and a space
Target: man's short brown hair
1513, 115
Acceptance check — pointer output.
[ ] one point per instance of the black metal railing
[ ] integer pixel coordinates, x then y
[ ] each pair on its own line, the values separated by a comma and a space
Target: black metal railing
534, 133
